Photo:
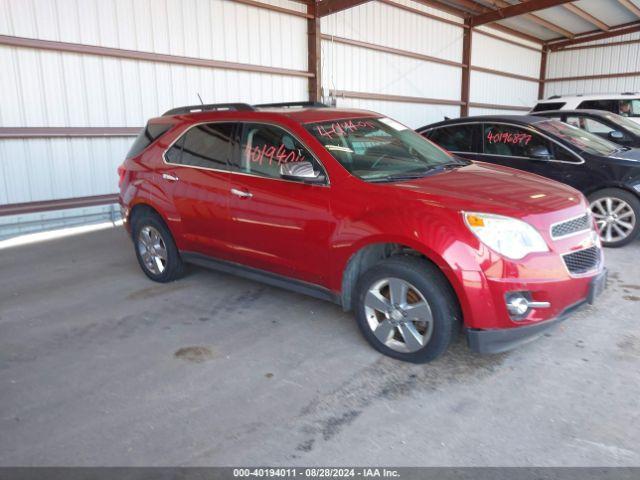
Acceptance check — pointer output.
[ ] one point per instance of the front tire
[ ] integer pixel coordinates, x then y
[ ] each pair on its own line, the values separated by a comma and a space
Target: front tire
155, 249
406, 309
617, 214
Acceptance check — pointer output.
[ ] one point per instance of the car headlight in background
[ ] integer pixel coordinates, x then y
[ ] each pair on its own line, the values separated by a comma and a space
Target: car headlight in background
510, 237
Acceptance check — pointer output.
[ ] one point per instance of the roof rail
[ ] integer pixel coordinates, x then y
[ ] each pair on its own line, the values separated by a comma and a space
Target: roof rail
554, 97
292, 104
210, 106
629, 93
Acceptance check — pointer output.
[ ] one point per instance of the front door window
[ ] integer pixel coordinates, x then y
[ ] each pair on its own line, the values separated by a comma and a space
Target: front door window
512, 141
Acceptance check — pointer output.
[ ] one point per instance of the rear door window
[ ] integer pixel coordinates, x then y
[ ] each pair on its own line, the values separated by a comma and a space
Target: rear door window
456, 138
512, 141
206, 146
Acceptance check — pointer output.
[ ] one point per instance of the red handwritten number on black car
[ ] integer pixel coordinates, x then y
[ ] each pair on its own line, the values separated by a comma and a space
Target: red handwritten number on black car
507, 137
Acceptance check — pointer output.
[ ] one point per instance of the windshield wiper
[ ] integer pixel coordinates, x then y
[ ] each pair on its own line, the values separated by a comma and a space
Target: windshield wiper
398, 176
621, 149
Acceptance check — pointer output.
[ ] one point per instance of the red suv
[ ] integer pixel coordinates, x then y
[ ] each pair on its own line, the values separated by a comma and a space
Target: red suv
355, 208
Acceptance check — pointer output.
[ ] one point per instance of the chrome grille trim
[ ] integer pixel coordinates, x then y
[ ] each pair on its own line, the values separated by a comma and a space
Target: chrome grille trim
572, 226
583, 262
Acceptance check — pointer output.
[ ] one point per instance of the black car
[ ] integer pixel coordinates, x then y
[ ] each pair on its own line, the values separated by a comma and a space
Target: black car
607, 173
611, 126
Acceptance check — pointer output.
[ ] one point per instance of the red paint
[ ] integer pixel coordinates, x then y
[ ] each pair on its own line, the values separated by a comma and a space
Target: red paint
309, 232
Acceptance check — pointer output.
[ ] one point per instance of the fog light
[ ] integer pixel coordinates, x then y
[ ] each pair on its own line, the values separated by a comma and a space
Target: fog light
519, 304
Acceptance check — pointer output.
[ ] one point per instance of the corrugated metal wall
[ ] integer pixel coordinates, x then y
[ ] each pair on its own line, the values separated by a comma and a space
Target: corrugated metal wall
351, 68
54, 89
492, 53
593, 61
363, 70
46, 88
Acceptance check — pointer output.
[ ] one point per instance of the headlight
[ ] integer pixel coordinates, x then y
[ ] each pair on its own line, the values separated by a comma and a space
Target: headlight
510, 237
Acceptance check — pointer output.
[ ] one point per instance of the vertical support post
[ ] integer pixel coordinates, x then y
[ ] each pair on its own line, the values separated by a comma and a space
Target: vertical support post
314, 49
466, 69
543, 72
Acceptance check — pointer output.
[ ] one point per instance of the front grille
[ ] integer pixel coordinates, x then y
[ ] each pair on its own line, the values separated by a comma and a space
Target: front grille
582, 261
570, 227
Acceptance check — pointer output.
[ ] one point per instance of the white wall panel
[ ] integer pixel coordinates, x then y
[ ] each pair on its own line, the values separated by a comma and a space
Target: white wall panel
365, 70
495, 89
492, 53
55, 89
212, 29
44, 88
350, 68
382, 24
43, 169
410, 114
489, 52
603, 85
593, 61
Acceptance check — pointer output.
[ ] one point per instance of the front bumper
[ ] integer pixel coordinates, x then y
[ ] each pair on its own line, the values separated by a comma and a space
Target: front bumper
500, 340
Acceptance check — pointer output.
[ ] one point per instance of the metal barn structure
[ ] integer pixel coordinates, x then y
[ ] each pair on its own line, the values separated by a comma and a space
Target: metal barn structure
80, 78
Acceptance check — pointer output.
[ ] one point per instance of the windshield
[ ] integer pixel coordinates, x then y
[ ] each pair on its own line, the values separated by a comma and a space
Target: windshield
630, 125
380, 149
581, 139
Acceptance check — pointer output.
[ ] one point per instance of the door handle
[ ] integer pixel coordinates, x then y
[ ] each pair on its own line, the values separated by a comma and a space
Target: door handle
241, 193
169, 177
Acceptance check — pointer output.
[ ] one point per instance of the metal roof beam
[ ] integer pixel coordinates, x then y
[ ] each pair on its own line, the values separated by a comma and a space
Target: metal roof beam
586, 16
632, 7
514, 10
327, 7
539, 20
613, 32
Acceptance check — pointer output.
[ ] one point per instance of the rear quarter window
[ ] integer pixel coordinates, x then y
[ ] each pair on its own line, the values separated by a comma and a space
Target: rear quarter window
544, 107
149, 134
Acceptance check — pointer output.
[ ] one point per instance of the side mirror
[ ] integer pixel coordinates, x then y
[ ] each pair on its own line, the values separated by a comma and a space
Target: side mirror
539, 152
301, 172
615, 135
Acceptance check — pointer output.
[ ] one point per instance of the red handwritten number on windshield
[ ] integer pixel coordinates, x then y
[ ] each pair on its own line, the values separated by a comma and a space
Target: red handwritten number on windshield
512, 138
343, 128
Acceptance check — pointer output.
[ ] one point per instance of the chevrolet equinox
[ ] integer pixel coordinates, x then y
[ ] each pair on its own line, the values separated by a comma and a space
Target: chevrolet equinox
353, 207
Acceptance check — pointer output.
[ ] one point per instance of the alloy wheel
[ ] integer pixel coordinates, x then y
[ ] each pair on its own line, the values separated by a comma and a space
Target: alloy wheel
152, 249
398, 315
615, 218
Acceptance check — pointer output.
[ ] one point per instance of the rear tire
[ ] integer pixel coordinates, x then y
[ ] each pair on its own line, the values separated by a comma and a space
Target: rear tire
617, 213
155, 248
406, 309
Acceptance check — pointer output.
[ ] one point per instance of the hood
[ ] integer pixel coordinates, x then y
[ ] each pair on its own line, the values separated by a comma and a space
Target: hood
489, 188
632, 154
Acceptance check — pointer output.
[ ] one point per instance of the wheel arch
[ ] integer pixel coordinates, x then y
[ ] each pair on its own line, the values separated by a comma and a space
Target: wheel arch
372, 252
139, 208
612, 184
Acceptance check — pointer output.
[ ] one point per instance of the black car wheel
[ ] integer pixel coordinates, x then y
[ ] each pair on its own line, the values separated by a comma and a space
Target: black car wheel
617, 214
406, 309
156, 251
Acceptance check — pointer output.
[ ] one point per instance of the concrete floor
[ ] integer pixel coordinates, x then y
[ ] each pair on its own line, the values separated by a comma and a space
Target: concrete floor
100, 366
